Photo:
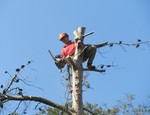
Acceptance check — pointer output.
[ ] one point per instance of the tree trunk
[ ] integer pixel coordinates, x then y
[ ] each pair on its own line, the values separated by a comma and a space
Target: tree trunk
77, 73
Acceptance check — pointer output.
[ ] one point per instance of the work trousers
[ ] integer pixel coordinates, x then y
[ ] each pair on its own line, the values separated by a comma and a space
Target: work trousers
89, 54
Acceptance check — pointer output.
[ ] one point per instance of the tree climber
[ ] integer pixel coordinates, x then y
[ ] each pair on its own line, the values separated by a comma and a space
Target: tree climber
69, 50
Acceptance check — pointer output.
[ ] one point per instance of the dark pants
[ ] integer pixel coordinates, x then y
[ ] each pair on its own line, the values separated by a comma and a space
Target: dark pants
89, 54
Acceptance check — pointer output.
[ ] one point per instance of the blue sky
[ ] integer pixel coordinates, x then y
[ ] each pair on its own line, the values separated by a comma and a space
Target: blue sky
29, 28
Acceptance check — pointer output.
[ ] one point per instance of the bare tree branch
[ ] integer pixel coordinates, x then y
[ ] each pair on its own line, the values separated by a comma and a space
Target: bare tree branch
36, 99
14, 79
127, 44
88, 34
101, 44
96, 70
9, 85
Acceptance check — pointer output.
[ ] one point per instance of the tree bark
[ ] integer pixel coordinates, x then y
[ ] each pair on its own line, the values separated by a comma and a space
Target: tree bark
77, 72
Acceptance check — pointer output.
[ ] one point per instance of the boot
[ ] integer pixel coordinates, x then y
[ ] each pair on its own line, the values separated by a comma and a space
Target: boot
90, 66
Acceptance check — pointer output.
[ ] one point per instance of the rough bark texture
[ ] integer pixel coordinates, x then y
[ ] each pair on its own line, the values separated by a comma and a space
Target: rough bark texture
77, 73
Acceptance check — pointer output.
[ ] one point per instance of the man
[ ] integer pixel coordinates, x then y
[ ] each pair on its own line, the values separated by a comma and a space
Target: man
69, 50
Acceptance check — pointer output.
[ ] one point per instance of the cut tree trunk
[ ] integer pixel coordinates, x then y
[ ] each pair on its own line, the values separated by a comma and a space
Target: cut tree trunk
77, 73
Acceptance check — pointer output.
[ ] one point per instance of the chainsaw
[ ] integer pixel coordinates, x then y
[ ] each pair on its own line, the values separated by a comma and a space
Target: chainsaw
58, 61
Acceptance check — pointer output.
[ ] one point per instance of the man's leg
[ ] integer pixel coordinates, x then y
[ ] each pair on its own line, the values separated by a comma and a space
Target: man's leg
89, 54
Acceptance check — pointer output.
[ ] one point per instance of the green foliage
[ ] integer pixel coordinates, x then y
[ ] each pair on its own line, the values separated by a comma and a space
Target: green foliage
99, 110
124, 106
48, 111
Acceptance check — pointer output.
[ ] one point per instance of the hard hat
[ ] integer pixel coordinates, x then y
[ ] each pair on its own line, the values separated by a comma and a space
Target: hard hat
62, 35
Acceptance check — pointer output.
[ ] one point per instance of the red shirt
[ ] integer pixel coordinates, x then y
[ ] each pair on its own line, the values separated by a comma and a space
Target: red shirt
68, 49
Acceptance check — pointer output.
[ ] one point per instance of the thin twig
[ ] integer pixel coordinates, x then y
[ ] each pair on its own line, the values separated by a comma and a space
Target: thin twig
9, 85
16, 108
30, 84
